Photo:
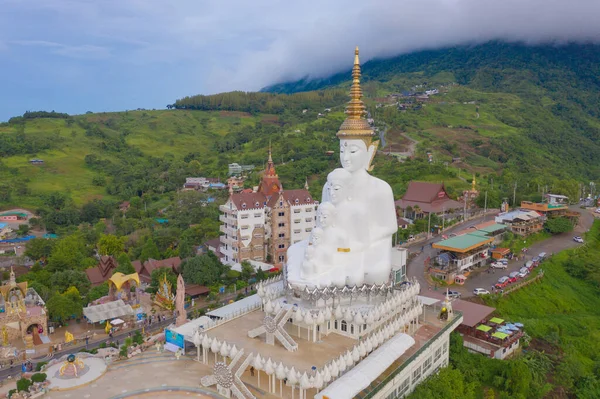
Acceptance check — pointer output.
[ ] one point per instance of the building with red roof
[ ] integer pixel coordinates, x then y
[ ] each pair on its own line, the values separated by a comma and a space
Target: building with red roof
261, 225
422, 198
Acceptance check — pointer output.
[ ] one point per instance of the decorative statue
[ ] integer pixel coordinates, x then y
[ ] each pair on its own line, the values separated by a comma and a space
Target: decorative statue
180, 302
164, 297
364, 215
4, 336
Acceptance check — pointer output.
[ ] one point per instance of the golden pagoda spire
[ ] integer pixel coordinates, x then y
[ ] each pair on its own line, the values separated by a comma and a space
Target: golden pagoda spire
270, 158
356, 126
473, 184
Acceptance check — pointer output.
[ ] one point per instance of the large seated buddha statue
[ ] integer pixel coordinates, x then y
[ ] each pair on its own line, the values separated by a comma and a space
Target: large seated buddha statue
356, 218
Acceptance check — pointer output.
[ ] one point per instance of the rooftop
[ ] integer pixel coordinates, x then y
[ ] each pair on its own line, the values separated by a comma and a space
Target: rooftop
463, 243
473, 313
310, 353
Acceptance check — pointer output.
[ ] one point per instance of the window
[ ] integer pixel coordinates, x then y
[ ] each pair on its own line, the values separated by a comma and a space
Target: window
308, 219
438, 354
351, 328
335, 324
427, 364
281, 246
297, 210
244, 205
344, 326
244, 217
297, 221
281, 235
404, 387
280, 203
296, 201
281, 258
416, 374
308, 209
445, 347
257, 215
281, 224
297, 231
245, 227
257, 204
364, 327
281, 214
308, 229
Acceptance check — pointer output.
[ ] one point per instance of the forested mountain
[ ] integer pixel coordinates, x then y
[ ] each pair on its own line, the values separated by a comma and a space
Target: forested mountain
544, 102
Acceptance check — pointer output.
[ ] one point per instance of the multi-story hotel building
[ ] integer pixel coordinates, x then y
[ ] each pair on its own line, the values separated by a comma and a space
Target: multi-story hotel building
261, 225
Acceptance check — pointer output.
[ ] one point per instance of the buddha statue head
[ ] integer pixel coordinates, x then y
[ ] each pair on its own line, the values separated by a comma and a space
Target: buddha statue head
326, 215
339, 184
316, 236
357, 147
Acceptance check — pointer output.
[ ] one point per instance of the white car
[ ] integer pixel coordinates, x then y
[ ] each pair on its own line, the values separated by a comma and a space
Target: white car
498, 265
598, 210
578, 239
480, 291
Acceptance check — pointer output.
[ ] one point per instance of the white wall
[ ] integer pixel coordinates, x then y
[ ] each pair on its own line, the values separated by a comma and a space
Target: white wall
298, 230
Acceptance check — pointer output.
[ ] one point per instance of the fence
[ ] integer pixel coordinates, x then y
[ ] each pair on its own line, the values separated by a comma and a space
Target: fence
523, 283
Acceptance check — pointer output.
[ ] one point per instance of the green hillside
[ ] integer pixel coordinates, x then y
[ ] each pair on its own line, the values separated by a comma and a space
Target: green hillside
508, 114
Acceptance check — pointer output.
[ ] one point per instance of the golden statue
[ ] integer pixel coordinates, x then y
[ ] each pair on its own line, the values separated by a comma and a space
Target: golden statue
473, 184
71, 366
68, 337
108, 327
4, 336
165, 297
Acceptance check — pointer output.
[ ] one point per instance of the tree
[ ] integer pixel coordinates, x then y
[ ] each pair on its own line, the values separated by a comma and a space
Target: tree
149, 251
559, 225
448, 383
203, 270
23, 230
125, 265
68, 254
39, 248
97, 292
247, 270
63, 280
62, 307
110, 244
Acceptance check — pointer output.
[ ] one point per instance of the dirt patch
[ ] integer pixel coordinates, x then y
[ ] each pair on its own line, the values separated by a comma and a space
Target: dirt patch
270, 119
237, 114
396, 142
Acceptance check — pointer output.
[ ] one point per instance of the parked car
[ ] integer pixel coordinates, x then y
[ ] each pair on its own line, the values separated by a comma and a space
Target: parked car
512, 279
480, 291
598, 210
498, 265
454, 294
542, 256
523, 272
502, 282
529, 265
536, 261
578, 239
503, 261
513, 274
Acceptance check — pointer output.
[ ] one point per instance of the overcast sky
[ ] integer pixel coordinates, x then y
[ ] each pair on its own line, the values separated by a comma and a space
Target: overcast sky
108, 55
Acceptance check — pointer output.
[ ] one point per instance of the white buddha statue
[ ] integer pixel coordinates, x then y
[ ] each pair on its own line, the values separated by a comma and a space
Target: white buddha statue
364, 211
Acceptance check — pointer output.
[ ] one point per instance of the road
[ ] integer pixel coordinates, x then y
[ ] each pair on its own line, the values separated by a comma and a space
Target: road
482, 279
120, 337
416, 267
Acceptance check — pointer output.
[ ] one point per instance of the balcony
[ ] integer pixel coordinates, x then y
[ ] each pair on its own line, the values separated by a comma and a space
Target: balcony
225, 209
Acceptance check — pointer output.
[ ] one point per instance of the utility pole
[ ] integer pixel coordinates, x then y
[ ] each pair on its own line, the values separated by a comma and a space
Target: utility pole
429, 226
485, 205
465, 209
443, 217
515, 194
492, 187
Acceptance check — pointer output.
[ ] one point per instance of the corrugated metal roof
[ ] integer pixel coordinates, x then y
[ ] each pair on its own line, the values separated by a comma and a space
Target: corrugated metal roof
493, 228
462, 242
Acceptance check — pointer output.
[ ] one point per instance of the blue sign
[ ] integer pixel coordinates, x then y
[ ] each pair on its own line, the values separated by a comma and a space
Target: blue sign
172, 337
222, 290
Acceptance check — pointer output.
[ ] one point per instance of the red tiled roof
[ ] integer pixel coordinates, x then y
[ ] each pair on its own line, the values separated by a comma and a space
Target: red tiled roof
195, 289
302, 195
102, 272
137, 265
435, 207
403, 222
419, 191
473, 313
214, 243
251, 200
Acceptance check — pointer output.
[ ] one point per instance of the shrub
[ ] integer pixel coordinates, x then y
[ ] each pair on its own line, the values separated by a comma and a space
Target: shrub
23, 384
11, 392
138, 338
123, 351
102, 345
39, 377
39, 366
